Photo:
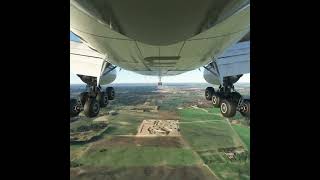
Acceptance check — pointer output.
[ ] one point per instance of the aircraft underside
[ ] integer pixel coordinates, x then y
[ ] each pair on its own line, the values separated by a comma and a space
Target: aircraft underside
160, 38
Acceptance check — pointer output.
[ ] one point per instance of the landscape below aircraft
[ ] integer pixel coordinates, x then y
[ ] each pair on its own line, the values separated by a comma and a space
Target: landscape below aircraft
160, 38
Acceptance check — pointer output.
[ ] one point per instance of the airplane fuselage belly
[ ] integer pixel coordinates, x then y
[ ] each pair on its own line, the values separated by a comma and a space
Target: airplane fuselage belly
148, 47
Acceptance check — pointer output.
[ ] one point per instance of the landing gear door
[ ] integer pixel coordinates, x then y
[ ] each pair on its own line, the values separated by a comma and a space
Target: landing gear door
85, 61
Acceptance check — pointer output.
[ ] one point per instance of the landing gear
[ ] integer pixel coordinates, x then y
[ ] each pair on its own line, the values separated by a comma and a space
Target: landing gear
213, 96
228, 100
102, 98
83, 97
91, 107
91, 101
228, 108
74, 108
216, 100
110, 93
245, 108
208, 93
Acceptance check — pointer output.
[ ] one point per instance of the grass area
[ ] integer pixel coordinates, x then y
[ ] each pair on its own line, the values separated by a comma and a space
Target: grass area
173, 101
231, 170
206, 135
244, 133
76, 150
213, 135
190, 114
209, 135
139, 156
123, 124
225, 169
126, 123
81, 122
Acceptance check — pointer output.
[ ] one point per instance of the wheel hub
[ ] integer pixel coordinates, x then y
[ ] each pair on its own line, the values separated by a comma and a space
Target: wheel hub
95, 107
207, 94
214, 99
105, 100
224, 108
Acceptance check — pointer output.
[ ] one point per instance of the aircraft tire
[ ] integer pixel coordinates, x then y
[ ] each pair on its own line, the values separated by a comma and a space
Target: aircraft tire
110, 93
228, 108
247, 113
91, 107
73, 111
102, 98
208, 93
216, 100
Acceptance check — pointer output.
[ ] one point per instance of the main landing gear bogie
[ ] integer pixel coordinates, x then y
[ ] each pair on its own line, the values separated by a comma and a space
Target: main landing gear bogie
91, 102
228, 102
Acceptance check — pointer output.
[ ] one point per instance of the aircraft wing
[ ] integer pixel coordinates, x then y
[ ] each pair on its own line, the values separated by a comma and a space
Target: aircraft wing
235, 60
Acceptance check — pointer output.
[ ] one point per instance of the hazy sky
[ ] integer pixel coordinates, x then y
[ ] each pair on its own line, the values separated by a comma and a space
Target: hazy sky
130, 77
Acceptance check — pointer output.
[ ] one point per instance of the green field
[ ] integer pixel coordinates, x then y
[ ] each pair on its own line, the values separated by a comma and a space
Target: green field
213, 133
244, 133
231, 171
119, 154
207, 132
139, 156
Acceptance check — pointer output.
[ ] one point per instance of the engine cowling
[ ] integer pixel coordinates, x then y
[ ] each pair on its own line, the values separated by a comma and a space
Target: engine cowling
108, 77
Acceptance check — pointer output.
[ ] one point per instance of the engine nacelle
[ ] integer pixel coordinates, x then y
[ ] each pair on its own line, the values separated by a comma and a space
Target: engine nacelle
108, 77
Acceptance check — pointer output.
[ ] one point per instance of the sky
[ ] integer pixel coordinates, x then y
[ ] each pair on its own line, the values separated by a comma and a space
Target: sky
124, 76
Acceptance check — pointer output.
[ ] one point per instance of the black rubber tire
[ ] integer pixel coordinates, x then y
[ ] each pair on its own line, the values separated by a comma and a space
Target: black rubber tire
102, 98
73, 111
91, 107
83, 97
246, 114
208, 93
110, 93
228, 108
216, 100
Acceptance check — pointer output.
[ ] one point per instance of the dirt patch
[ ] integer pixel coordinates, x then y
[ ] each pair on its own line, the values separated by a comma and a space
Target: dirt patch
145, 173
159, 127
119, 141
